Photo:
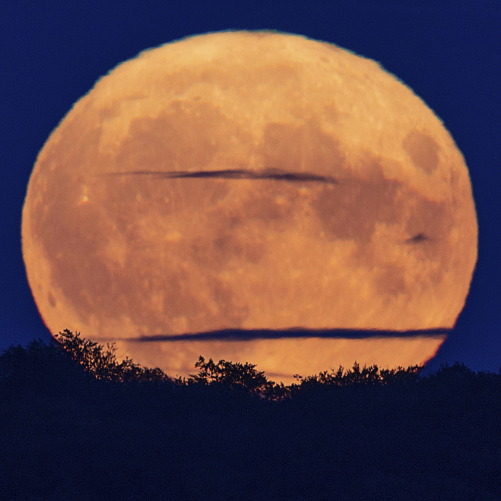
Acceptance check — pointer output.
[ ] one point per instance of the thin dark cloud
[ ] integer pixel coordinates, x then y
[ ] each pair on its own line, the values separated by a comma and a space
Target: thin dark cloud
268, 173
256, 334
416, 239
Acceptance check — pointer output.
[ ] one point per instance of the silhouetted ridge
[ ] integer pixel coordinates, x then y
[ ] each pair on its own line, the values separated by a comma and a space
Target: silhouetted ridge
76, 423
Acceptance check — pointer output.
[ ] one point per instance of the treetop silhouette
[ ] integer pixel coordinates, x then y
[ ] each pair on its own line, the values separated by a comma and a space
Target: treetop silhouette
103, 364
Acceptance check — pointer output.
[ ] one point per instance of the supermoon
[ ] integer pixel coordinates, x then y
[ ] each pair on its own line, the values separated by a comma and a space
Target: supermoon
250, 182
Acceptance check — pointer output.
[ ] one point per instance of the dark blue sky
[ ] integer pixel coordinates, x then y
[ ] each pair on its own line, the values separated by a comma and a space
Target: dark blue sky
448, 52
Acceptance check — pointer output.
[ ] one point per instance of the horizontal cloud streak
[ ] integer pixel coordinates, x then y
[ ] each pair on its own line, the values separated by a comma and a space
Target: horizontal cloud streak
268, 173
256, 334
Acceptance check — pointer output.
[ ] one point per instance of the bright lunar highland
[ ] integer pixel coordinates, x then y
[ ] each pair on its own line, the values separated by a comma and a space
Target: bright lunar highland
251, 180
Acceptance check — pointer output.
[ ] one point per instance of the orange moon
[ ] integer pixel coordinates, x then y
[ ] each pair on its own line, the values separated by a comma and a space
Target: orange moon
251, 180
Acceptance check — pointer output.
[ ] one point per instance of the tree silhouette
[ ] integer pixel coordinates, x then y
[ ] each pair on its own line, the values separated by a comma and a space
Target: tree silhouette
237, 376
368, 376
102, 363
37, 367
76, 426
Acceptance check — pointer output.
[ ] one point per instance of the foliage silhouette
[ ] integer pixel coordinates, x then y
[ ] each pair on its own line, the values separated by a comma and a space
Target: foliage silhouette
367, 376
237, 376
39, 368
75, 424
103, 364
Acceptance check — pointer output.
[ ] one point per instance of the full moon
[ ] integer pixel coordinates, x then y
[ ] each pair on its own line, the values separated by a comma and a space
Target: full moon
251, 182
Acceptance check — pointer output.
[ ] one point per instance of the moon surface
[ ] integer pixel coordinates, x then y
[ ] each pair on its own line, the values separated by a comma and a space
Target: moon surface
250, 181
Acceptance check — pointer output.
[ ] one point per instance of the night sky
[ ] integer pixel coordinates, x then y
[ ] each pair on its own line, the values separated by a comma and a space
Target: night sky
448, 52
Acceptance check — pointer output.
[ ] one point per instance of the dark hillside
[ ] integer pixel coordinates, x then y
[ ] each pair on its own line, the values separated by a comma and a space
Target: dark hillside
77, 424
